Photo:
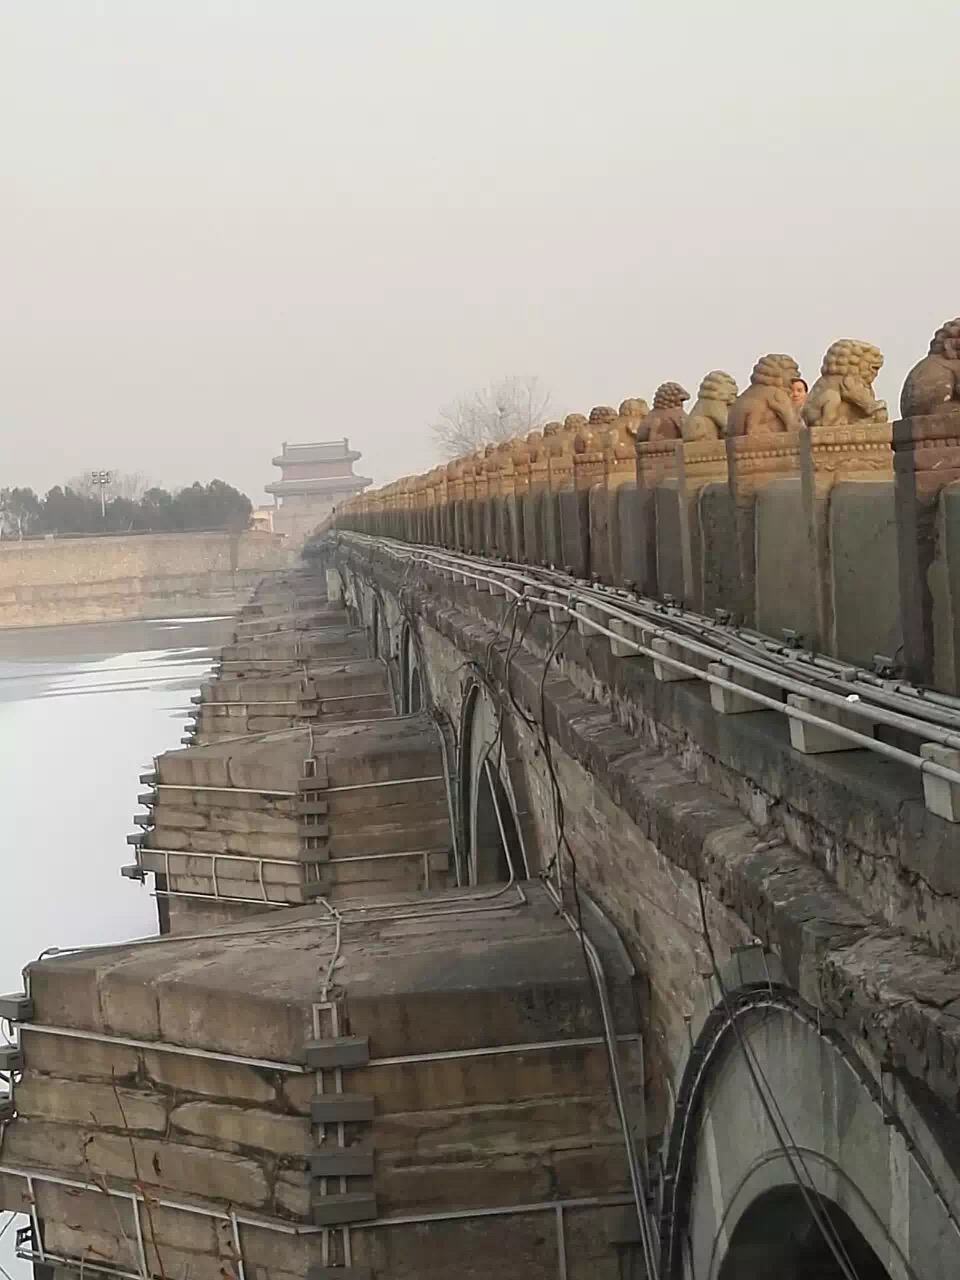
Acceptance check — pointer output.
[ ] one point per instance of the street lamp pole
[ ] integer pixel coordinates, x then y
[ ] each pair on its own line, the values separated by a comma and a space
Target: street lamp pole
102, 478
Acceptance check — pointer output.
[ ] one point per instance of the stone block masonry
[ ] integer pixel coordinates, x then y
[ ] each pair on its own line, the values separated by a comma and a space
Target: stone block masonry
183, 1074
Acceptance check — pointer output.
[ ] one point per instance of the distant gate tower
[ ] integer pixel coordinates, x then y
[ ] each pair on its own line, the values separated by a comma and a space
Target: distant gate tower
314, 479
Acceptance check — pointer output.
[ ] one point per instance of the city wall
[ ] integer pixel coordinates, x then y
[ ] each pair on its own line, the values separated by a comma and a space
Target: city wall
56, 581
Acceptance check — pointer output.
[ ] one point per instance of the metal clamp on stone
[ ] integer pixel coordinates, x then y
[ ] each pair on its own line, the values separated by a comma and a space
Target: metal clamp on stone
340, 1051
340, 1210
11, 1059
341, 1108
16, 1007
313, 830
308, 700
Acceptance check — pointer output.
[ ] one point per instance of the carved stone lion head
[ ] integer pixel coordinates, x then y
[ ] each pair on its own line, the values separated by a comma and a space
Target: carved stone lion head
717, 385
850, 357
634, 408
670, 395
946, 341
775, 371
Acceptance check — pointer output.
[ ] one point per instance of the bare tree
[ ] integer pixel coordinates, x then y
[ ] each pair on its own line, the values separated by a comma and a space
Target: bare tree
503, 409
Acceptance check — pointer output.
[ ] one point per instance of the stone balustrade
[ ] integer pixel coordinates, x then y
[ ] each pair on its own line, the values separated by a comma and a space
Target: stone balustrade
833, 524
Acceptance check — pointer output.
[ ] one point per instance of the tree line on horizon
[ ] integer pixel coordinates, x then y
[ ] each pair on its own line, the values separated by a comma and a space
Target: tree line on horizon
130, 507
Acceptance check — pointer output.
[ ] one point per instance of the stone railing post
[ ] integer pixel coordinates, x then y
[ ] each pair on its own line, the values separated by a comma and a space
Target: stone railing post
514, 486
470, 465
700, 463
764, 469
655, 459
454, 513
620, 479
828, 456
487, 503
926, 462
584, 518
560, 482
532, 501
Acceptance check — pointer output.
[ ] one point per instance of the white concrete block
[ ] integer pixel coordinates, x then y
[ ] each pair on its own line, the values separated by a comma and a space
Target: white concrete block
814, 739
558, 614
618, 649
666, 673
942, 796
595, 615
726, 701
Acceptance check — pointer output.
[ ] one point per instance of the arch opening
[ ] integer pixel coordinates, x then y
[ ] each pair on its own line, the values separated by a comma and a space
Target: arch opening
415, 692
411, 681
489, 832
778, 1237
375, 645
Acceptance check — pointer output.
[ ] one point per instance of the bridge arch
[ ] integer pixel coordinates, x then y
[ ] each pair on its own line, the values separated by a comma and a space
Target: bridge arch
780, 1134
778, 1236
490, 833
413, 687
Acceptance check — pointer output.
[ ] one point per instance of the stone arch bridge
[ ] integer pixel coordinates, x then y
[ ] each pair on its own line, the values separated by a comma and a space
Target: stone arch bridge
560, 878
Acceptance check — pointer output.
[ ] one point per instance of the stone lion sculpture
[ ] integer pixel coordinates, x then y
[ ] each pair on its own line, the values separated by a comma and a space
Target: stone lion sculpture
708, 417
621, 438
559, 437
634, 409
666, 419
590, 435
764, 408
933, 385
843, 394
549, 436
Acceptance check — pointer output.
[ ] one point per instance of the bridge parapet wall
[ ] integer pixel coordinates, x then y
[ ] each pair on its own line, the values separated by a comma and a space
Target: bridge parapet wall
833, 525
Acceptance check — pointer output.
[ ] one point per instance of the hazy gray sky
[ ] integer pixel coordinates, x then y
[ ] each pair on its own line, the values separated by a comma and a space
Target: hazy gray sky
226, 223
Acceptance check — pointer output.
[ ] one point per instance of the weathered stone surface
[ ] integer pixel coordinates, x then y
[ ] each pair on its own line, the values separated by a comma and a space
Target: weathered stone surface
212, 1175
532, 1126
244, 1127
84, 1059
41, 1144
216, 1079
420, 1184
293, 1194
100, 1105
